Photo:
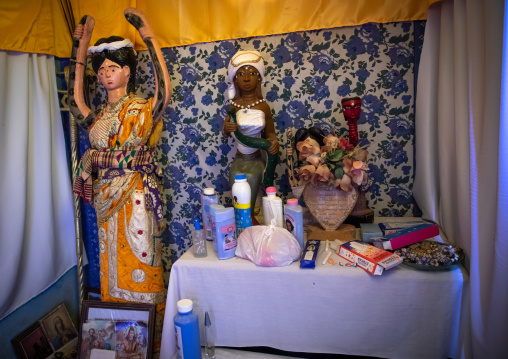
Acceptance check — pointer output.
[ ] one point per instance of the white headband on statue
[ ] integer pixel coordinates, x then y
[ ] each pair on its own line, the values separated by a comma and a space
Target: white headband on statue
243, 58
111, 46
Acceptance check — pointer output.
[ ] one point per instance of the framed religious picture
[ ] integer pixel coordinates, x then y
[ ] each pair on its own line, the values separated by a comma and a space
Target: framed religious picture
32, 343
58, 327
97, 334
126, 328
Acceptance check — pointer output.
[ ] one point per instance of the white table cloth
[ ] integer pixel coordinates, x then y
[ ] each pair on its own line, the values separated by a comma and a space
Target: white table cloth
404, 313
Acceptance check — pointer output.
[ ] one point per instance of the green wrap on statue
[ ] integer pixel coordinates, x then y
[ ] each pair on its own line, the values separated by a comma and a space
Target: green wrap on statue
260, 143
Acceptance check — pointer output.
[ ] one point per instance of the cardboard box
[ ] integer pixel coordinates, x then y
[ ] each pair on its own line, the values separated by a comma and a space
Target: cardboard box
370, 231
368, 257
408, 236
392, 227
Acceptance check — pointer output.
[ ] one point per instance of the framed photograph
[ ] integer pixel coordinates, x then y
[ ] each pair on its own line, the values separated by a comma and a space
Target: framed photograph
97, 334
58, 327
132, 339
32, 343
128, 328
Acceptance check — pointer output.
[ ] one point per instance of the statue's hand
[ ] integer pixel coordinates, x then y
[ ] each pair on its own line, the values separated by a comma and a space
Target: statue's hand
274, 148
138, 19
229, 127
83, 30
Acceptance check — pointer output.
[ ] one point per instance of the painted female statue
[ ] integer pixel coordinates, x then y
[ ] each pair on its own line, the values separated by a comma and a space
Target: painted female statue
250, 119
119, 172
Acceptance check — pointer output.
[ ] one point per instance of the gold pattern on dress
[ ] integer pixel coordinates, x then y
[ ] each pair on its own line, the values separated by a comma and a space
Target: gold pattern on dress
114, 290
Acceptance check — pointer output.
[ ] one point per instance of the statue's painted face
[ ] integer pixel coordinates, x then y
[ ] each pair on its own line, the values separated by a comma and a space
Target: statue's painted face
247, 77
112, 76
352, 109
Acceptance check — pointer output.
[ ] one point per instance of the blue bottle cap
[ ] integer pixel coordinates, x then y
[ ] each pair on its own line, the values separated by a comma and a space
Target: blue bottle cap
197, 227
240, 176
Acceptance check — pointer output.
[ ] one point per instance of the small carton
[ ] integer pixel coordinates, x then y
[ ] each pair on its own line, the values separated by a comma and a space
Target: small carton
395, 226
309, 255
408, 236
370, 231
368, 257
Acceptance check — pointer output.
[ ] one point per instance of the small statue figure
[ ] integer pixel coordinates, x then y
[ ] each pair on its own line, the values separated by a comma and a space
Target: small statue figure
125, 186
250, 119
352, 109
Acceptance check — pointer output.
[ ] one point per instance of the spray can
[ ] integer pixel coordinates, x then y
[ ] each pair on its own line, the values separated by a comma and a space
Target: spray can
241, 201
208, 198
293, 219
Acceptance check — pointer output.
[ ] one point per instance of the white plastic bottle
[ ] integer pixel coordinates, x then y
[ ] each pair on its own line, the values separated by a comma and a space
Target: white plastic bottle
272, 207
293, 219
241, 201
208, 198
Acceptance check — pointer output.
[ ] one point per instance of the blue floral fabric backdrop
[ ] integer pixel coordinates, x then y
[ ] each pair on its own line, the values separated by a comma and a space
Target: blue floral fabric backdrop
307, 75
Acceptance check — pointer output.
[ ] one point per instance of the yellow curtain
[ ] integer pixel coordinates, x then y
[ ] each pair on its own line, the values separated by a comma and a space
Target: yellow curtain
39, 25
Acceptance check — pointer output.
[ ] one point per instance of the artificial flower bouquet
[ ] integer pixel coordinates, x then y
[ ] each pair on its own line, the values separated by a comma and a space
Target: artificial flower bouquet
338, 163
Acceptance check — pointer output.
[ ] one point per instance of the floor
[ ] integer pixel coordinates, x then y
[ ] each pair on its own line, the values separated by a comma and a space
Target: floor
270, 353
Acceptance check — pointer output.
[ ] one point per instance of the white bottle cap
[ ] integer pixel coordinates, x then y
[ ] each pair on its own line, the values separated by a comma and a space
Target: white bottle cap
184, 305
209, 191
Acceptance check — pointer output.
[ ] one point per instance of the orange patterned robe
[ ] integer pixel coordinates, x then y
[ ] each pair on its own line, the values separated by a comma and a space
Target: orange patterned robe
129, 233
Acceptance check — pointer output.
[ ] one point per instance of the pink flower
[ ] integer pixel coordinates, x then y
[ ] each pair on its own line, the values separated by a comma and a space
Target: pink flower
307, 148
322, 174
357, 172
343, 183
306, 172
345, 145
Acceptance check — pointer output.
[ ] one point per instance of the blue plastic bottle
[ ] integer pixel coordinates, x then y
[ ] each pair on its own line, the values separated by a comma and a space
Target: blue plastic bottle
208, 198
188, 342
293, 220
225, 235
213, 209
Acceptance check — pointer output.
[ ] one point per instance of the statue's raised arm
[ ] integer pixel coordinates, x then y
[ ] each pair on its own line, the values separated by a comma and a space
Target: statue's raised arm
163, 89
81, 38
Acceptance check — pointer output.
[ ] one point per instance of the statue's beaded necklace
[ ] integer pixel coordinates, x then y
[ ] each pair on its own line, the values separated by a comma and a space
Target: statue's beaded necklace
113, 107
245, 108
